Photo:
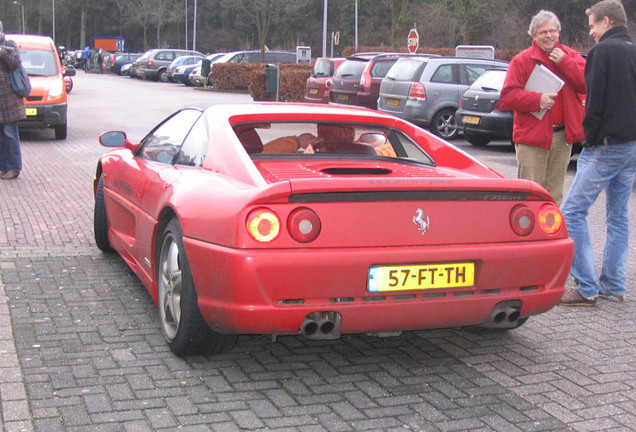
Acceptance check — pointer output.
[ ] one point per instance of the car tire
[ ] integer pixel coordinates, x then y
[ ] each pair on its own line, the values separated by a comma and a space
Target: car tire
61, 131
444, 124
100, 221
160, 75
182, 324
477, 140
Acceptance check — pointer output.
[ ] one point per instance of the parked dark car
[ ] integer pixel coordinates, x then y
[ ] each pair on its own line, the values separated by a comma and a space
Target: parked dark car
357, 81
427, 90
120, 59
321, 78
477, 116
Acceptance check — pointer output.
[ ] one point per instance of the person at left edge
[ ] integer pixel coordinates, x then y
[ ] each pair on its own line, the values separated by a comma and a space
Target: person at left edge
544, 146
11, 111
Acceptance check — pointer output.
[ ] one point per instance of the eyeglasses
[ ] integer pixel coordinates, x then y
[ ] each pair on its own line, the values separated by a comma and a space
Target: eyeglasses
548, 32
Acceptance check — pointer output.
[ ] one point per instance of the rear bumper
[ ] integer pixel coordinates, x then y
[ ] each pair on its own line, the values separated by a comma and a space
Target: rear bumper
413, 111
262, 292
495, 124
149, 74
317, 99
47, 116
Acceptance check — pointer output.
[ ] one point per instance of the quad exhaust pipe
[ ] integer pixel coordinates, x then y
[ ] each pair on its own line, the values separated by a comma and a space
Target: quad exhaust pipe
321, 326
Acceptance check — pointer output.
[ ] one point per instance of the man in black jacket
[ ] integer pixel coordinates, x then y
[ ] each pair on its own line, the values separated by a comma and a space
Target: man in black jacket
608, 159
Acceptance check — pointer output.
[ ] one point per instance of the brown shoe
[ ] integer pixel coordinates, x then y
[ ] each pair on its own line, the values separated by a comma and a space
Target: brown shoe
10, 175
614, 298
574, 298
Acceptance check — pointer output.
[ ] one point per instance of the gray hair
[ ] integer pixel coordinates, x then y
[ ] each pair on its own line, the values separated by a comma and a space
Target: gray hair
613, 9
541, 18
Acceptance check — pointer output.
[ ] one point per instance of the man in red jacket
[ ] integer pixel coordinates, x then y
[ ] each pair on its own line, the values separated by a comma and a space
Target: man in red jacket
544, 145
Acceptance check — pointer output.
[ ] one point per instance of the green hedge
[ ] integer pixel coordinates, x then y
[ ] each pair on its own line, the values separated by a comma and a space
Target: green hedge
251, 77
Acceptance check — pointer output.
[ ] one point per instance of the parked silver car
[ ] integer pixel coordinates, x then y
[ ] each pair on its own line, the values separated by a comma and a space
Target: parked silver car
153, 64
427, 90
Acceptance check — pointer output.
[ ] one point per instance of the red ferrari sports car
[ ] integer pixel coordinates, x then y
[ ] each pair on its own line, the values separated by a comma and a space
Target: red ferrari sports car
320, 221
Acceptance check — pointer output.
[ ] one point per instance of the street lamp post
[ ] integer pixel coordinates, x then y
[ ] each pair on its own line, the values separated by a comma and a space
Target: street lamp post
15, 2
53, 13
324, 28
186, 24
356, 25
194, 28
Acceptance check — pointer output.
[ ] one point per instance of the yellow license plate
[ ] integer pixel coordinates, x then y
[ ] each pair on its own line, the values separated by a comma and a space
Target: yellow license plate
421, 277
313, 91
393, 102
31, 111
343, 97
472, 120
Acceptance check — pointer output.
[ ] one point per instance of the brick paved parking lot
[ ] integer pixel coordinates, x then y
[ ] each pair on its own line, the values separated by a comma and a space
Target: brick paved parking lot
81, 348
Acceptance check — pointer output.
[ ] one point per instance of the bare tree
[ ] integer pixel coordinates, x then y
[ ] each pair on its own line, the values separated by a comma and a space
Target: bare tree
141, 12
399, 11
261, 13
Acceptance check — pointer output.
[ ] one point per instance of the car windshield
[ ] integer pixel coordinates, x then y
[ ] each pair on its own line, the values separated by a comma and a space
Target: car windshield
39, 62
317, 139
405, 70
490, 80
351, 69
322, 68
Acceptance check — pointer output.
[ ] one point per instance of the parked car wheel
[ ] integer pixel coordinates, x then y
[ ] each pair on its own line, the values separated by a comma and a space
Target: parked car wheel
477, 140
161, 75
182, 325
100, 223
444, 124
60, 132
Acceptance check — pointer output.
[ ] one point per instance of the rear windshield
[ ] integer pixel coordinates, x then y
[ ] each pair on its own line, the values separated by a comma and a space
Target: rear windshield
490, 80
351, 69
406, 70
39, 62
313, 139
322, 68
381, 67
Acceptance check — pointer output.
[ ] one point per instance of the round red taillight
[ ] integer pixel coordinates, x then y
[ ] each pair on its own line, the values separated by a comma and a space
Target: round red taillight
328, 83
522, 220
303, 225
550, 219
263, 225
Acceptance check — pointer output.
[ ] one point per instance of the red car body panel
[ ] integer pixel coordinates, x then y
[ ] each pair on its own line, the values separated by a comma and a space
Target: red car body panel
367, 219
318, 85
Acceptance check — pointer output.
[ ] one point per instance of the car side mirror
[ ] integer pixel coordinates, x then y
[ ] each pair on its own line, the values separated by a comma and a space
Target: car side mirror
117, 139
374, 138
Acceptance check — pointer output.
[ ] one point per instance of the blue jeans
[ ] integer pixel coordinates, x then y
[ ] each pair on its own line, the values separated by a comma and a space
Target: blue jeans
611, 168
10, 154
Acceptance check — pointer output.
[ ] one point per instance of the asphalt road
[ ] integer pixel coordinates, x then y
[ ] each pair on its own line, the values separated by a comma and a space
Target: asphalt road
81, 348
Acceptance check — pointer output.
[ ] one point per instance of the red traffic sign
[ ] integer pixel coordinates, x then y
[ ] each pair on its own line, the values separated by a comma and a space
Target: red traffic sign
413, 41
